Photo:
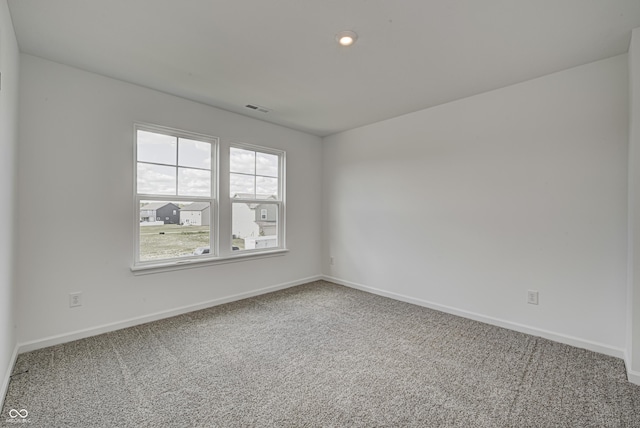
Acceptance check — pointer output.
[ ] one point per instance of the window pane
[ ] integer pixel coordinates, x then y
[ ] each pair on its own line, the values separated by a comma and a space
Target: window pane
266, 164
156, 148
254, 226
156, 179
243, 161
194, 182
164, 235
193, 153
242, 186
266, 187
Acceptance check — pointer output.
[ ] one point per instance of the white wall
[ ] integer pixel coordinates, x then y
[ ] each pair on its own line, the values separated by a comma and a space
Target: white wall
9, 66
633, 296
76, 151
467, 205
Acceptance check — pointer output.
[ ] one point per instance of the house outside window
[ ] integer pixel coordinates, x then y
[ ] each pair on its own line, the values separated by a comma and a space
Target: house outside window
257, 197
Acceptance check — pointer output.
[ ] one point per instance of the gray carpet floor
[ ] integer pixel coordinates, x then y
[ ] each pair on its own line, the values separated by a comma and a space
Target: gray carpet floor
320, 355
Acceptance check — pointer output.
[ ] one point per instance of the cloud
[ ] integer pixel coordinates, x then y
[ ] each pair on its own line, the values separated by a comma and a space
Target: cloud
242, 161
161, 180
156, 179
267, 164
196, 154
194, 182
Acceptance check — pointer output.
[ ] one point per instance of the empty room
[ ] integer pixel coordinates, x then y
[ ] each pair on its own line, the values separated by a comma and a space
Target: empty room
320, 213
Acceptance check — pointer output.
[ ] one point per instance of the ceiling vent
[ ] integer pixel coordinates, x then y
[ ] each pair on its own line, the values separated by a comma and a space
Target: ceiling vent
255, 107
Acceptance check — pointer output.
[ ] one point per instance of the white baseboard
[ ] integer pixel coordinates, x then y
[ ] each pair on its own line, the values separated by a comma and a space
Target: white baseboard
106, 328
632, 375
556, 337
7, 377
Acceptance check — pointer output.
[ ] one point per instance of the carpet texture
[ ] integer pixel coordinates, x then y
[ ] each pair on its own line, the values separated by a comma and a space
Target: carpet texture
319, 355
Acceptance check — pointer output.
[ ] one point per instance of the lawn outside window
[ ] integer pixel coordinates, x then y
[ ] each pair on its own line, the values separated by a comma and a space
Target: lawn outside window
175, 196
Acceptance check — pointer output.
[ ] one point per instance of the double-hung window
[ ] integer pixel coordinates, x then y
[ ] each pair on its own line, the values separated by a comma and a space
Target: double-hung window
175, 190
177, 219
256, 177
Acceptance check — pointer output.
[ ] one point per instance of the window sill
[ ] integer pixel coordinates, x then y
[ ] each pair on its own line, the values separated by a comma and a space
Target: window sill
195, 263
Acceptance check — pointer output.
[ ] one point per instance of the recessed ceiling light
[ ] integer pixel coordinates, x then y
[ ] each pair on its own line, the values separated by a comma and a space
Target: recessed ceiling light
346, 38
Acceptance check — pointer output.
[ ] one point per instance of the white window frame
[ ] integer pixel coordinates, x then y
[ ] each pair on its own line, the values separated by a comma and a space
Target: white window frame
280, 202
212, 199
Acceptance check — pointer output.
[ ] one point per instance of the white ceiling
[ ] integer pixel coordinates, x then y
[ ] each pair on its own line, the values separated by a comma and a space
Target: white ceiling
282, 54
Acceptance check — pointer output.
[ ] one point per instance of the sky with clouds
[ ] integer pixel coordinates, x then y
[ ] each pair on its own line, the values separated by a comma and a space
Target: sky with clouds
168, 165
178, 166
253, 173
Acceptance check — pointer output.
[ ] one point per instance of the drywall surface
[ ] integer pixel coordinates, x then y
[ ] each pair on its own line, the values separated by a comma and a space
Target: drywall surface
633, 299
76, 202
9, 67
470, 204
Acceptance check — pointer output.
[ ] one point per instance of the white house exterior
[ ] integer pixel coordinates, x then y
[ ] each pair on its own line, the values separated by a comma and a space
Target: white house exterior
255, 222
196, 214
243, 222
261, 242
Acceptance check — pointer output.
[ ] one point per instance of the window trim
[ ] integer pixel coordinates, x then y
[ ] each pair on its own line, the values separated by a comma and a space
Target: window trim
208, 261
281, 201
212, 199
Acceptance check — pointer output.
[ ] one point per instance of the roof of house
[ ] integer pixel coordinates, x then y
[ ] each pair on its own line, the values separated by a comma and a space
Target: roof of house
196, 206
252, 196
156, 206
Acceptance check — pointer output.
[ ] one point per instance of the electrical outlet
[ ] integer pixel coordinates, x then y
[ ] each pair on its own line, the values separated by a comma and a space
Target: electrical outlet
331, 261
532, 297
75, 299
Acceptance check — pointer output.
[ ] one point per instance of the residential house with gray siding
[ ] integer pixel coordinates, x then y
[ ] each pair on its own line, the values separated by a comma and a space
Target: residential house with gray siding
167, 212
